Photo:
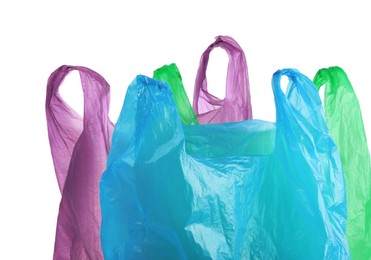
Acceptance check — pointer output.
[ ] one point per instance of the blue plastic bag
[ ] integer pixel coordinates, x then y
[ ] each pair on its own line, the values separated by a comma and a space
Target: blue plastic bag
244, 190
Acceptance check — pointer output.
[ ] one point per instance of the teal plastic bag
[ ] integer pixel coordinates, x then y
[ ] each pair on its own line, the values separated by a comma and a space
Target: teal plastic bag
242, 190
344, 118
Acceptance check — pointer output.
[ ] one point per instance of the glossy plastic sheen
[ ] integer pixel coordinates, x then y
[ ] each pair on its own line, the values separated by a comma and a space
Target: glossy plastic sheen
236, 106
171, 75
79, 148
344, 119
245, 190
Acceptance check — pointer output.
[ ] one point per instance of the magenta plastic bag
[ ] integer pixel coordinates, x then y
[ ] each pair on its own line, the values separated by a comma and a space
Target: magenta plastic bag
79, 149
236, 106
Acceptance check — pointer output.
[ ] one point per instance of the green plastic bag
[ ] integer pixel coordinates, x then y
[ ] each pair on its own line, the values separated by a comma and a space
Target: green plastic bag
171, 75
344, 120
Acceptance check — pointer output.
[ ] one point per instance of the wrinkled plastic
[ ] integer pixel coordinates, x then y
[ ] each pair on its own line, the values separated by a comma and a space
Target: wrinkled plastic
236, 106
79, 149
171, 75
344, 118
244, 190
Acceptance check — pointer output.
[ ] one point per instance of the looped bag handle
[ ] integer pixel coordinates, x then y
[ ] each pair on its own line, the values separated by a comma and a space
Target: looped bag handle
300, 103
65, 125
236, 106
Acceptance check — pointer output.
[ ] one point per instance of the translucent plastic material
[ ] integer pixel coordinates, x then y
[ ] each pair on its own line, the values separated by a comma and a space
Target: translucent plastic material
79, 148
245, 190
344, 119
236, 106
171, 75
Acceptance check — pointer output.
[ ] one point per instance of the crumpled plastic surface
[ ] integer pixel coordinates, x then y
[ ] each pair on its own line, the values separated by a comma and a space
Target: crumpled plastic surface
236, 106
243, 190
344, 119
171, 75
79, 148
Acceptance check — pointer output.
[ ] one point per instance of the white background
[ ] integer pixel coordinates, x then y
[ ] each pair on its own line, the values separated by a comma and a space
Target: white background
121, 40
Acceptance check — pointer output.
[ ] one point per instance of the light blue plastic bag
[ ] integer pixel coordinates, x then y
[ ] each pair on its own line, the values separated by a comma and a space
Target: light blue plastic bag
245, 190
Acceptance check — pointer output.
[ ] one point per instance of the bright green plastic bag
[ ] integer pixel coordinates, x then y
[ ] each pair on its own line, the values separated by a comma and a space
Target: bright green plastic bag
344, 120
171, 75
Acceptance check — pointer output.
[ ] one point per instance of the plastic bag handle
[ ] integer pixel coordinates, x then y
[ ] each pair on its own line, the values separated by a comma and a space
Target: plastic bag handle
65, 125
325, 77
301, 101
340, 101
237, 84
171, 75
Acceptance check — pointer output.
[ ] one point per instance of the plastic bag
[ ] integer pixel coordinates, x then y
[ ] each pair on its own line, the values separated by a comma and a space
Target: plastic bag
171, 75
79, 148
243, 190
236, 106
344, 119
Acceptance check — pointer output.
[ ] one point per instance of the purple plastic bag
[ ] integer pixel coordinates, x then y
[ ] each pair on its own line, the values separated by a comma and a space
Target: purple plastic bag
79, 149
236, 106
